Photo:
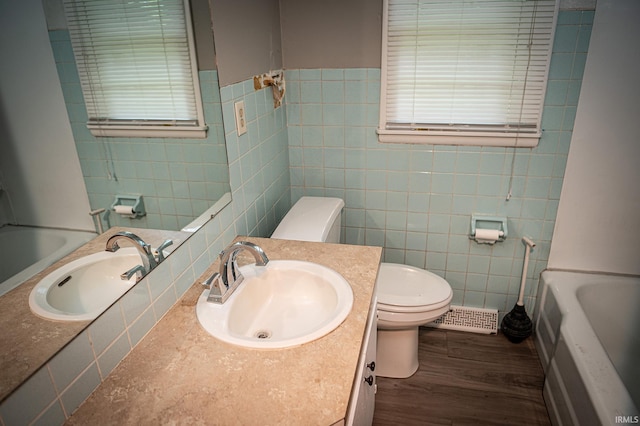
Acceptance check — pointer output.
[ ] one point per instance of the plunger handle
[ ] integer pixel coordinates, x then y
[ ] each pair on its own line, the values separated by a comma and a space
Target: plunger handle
529, 245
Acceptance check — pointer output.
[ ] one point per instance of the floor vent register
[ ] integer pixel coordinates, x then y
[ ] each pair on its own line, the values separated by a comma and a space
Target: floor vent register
474, 320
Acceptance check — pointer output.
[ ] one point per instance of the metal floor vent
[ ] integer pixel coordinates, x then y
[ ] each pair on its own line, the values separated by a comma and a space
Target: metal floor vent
462, 318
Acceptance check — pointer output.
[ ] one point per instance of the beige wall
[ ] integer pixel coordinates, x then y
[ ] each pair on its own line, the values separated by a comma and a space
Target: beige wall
203, 34
255, 36
247, 38
331, 33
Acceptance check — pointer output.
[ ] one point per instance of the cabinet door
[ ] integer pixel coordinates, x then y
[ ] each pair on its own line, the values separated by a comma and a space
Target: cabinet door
364, 390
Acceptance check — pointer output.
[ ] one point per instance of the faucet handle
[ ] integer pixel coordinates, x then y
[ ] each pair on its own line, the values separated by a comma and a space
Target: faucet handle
207, 283
217, 288
159, 251
137, 270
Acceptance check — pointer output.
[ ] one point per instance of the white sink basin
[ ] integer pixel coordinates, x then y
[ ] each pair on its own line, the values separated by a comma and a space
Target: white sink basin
94, 284
286, 303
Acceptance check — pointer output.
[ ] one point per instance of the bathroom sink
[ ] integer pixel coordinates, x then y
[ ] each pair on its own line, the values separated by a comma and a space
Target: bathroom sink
81, 290
283, 304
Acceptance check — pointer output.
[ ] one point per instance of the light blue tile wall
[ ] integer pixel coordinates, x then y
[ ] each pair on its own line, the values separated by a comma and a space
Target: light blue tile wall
258, 164
416, 200
179, 178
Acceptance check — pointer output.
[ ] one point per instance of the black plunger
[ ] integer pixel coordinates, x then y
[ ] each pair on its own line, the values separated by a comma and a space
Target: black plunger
517, 325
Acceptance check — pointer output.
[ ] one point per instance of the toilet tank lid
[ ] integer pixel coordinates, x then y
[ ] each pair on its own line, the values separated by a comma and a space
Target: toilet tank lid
310, 219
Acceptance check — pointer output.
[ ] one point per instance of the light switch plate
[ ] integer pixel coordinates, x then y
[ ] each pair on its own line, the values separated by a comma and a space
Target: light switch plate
241, 119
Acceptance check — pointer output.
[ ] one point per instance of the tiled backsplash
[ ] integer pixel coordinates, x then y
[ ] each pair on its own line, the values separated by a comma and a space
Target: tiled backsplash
416, 200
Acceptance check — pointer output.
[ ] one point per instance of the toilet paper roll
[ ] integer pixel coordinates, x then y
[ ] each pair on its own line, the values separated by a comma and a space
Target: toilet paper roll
488, 236
124, 210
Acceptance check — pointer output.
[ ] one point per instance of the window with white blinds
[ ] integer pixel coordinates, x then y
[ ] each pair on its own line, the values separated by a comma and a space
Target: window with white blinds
137, 67
465, 72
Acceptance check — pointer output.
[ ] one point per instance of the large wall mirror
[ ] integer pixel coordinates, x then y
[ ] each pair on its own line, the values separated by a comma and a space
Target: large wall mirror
184, 182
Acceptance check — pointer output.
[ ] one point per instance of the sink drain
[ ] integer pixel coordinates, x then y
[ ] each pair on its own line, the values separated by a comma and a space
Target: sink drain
262, 334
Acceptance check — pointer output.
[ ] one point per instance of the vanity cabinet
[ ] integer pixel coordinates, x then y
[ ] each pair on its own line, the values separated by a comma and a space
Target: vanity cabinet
250, 386
362, 402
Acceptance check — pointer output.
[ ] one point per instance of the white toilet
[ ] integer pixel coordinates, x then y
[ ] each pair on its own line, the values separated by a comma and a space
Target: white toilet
408, 297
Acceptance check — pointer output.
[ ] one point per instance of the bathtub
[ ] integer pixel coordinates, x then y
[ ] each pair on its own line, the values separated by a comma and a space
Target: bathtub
25, 251
588, 340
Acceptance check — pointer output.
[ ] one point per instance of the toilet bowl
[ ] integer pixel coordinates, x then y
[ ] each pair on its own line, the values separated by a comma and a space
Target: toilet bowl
408, 297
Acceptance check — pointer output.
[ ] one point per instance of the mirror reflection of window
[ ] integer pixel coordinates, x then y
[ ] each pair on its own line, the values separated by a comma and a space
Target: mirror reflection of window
154, 129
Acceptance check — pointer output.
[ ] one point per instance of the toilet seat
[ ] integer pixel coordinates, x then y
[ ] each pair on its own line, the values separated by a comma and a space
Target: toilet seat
407, 289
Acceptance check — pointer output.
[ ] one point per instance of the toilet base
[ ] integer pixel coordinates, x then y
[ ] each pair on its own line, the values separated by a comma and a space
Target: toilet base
397, 353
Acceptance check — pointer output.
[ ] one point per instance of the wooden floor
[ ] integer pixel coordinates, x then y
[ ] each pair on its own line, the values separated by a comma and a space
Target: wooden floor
466, 379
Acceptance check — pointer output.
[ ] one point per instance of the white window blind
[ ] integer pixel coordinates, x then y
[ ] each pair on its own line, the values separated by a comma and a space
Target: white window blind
137, 67
465, 71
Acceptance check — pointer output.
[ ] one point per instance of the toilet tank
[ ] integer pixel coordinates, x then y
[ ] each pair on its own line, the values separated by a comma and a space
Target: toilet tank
312, 219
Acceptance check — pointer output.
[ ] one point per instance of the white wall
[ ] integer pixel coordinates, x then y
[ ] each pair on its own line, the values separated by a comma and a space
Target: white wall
40, 167
598, 223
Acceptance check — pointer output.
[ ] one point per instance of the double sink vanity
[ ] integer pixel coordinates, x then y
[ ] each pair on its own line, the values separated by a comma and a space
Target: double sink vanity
290, 357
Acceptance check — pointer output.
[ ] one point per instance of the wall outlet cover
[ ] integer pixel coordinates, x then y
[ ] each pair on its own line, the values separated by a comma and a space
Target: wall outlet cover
241, 119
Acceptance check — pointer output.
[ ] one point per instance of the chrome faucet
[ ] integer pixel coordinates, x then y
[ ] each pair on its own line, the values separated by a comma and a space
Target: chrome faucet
149, 260
224, 282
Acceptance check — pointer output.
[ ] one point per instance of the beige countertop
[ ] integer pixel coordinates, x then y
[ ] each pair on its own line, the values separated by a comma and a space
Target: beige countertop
29, 341
179, 374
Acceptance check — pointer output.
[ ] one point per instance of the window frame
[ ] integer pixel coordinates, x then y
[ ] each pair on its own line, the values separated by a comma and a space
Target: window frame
477, 136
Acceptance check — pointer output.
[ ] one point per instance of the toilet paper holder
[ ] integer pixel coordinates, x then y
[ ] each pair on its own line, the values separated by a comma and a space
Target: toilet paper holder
490, 223
131, 206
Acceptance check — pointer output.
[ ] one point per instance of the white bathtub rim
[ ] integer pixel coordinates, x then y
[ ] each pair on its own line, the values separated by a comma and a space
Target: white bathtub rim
80, 238
574, 272
611, 397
